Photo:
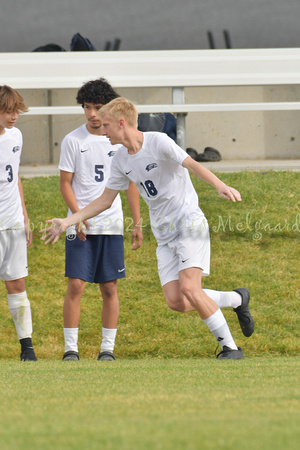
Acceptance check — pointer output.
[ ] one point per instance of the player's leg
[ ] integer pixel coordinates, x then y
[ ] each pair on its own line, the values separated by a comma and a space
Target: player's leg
77, 266
13, 270
193, 259
110, 316
237, 299
110, 267
71, 313
210, 313
175, 298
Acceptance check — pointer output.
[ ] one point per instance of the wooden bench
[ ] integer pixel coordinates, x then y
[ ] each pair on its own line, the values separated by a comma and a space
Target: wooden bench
176, 69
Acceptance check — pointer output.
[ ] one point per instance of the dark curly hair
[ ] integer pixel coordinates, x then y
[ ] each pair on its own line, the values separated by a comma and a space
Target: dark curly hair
97, 92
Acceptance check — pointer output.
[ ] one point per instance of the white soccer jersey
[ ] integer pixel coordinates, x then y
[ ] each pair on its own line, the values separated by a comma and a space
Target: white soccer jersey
89, 157
11, 211
163, 183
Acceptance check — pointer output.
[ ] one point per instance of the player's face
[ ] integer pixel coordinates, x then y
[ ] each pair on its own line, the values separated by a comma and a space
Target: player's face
91, 113
8, 120
111, 129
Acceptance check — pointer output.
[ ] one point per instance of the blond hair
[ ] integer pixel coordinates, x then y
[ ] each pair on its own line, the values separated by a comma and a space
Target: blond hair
120, 108
11, 100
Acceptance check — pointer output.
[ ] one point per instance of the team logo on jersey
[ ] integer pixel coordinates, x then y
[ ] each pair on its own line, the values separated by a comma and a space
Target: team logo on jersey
111, 153
151, 166
16, 149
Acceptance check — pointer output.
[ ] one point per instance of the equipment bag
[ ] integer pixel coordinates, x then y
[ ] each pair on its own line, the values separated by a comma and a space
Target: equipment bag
81, 44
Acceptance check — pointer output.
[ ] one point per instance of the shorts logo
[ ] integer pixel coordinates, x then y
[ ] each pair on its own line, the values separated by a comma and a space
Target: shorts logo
111, 153
121, 270
16, 149
151, 166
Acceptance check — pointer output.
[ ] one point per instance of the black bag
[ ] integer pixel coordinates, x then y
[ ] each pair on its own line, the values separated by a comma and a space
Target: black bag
209, 154
49, 48
81, 44
163, 122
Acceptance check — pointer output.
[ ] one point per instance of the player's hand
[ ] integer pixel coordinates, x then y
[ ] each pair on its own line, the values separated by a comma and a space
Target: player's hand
229, 193
136, 237
81, 230
53, 232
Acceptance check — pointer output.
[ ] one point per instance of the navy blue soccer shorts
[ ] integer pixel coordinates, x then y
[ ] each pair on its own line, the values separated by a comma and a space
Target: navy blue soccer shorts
97, 260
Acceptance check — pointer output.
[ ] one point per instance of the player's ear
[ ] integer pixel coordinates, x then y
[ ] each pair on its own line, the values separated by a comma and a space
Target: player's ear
122, 123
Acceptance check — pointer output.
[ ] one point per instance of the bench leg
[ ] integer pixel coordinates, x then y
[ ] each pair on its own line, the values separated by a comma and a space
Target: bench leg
178, 99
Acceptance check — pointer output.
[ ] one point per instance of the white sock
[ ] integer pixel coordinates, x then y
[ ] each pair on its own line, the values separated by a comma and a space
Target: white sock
108, 339
71, 339
219, 328
19, 307
230, 299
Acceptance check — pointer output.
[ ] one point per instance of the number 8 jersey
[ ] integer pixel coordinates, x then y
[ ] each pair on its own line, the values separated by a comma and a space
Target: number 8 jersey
165, 185
11, 212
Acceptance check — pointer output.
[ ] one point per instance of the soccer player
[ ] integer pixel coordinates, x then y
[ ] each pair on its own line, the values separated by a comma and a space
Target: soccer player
160, 170
15, 232
85, 161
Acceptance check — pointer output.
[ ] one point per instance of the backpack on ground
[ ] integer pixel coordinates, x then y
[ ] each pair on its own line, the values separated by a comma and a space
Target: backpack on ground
81, 44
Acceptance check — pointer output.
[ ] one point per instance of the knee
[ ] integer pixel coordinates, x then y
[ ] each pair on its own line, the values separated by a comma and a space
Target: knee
176, 304
186, 290
75, 287
109, 290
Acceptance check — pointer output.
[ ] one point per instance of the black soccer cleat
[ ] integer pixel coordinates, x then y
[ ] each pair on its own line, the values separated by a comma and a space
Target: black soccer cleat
106, 356
28, 354
229, 353
71, 356
243, 312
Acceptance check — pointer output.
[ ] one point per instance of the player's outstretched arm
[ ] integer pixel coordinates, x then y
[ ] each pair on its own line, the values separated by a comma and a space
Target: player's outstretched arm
58, 226
226, 192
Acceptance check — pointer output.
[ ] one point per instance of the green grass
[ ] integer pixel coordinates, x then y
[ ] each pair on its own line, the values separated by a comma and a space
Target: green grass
166, 390
151, 404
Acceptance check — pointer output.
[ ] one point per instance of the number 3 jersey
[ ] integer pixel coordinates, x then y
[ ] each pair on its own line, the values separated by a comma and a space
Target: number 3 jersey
11, 211
89, 158
165, 185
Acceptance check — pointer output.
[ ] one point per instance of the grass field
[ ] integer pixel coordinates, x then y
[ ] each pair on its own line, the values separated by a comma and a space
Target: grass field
165, 391
151, 404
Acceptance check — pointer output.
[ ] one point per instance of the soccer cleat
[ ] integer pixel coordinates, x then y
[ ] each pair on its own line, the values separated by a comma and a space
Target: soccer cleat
106, 356
243, 312
28, 354
228, 353
71, 356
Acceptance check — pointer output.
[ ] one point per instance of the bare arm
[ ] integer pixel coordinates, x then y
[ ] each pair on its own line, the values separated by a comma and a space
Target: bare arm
26, 220
67, 190
226, 192
58, 226
133, 198
68, 193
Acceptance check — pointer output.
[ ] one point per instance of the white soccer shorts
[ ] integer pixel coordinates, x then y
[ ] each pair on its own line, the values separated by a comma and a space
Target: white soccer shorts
189, 249
13, 255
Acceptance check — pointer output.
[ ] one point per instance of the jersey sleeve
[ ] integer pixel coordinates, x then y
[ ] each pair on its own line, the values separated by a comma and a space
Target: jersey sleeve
170, 150
67, 161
